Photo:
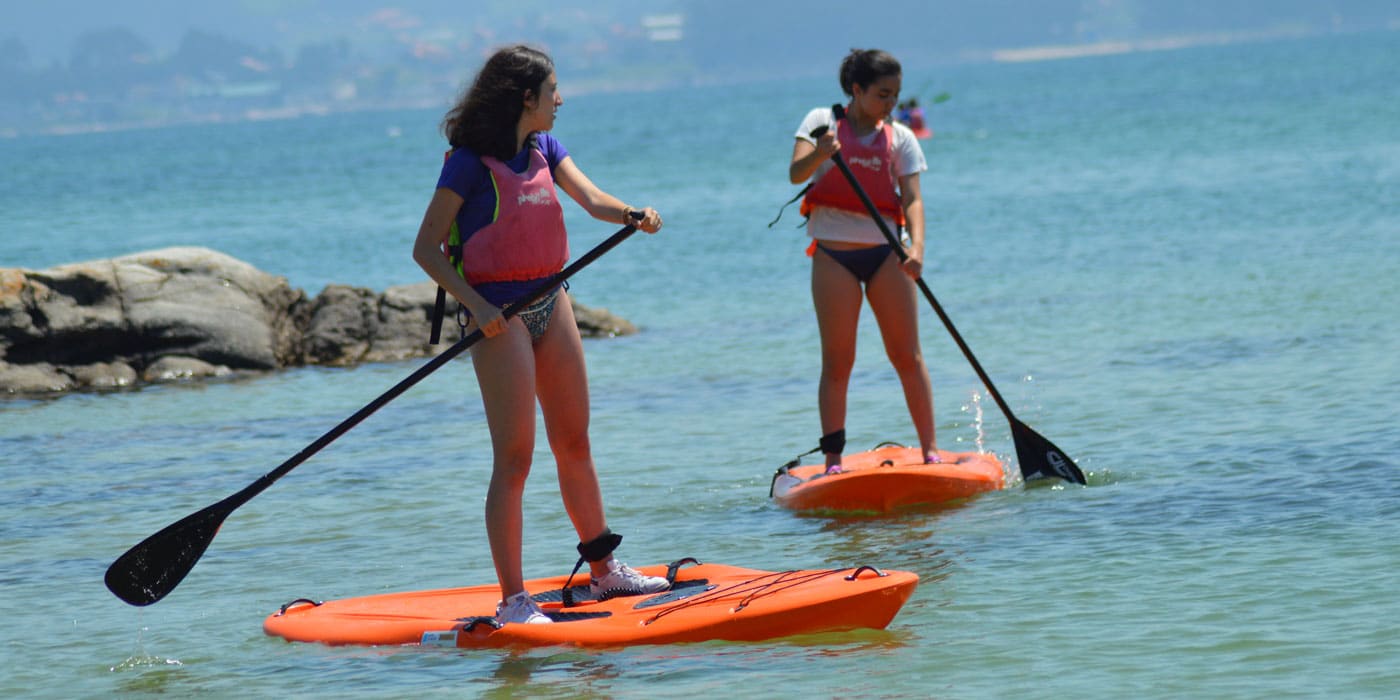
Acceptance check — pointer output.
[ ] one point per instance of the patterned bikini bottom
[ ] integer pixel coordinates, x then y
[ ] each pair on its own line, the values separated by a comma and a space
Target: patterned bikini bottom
537, 315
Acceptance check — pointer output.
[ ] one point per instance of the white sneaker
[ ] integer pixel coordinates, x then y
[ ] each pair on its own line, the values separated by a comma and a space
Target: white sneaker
622, 580
520, 608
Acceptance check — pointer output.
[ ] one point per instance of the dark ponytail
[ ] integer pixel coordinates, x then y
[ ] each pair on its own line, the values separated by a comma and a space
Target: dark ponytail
865, 66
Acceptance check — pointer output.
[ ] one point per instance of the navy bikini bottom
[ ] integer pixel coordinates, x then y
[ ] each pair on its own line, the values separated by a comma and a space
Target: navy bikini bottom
861, 262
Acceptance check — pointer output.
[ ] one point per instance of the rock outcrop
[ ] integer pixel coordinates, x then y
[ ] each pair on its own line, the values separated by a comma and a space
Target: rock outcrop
181, 313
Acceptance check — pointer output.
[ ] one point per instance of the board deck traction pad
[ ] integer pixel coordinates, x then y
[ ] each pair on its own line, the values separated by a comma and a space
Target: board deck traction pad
579, 594
768, 583
584, 594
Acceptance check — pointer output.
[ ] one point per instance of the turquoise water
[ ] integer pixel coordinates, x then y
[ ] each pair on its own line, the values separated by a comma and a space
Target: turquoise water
1180, 267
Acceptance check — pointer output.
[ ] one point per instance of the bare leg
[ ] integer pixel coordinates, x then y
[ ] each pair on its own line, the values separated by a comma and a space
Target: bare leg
836, 297
895, 303
562, 386
505, 368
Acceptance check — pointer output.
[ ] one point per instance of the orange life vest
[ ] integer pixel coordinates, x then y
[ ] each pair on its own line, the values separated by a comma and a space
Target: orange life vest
873, 167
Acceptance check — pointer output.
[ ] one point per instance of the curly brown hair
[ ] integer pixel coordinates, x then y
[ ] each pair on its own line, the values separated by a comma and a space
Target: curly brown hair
485, 116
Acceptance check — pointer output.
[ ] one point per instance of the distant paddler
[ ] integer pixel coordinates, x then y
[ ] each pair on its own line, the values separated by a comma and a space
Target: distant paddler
851, 260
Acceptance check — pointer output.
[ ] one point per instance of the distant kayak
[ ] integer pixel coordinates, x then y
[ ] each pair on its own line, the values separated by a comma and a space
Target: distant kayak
912, 115
920, 129
706, 602
885, 479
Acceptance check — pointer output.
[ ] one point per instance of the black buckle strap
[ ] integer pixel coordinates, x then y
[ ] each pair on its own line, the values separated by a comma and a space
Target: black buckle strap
833, 442
439, 308
596, 549
796, 197
454, 257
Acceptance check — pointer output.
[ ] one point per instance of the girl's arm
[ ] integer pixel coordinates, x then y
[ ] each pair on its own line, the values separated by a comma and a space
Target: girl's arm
806, 156
599, 204
913, 203
427, 252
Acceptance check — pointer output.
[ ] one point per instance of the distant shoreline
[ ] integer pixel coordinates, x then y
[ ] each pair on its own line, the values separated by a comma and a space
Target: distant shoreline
310, 109
1055, 52
1027, 54
244, 116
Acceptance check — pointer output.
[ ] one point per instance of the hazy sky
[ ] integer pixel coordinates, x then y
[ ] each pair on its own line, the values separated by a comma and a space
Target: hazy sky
48, 28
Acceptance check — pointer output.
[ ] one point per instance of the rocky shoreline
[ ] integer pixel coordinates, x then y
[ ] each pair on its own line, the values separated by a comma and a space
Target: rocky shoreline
180, 314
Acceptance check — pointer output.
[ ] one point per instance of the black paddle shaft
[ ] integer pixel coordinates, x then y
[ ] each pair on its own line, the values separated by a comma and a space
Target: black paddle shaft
153, 568
1038, 456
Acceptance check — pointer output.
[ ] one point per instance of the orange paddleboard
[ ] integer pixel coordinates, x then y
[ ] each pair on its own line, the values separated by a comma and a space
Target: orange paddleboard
706, 602
887, 478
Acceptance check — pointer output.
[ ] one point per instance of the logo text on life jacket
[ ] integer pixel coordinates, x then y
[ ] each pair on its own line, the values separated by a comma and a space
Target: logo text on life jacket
538, 197
875, 163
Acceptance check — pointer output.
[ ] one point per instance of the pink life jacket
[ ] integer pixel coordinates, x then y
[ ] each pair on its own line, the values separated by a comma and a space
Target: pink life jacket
526, 238
873, 166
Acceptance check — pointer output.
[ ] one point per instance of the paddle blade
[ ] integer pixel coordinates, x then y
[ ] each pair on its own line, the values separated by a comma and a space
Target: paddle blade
1040, 458
153, 568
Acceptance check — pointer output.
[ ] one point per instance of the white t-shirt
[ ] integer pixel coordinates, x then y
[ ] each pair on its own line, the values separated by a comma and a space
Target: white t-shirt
830, 224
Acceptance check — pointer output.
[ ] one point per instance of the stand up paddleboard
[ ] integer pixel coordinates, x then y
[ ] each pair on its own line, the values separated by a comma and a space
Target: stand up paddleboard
706, 602
886, 478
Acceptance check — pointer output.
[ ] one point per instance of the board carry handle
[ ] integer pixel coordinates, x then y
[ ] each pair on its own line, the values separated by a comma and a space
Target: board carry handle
856, 574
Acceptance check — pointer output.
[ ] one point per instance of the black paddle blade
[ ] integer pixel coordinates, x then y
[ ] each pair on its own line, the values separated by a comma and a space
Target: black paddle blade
1040, 458
153, 568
